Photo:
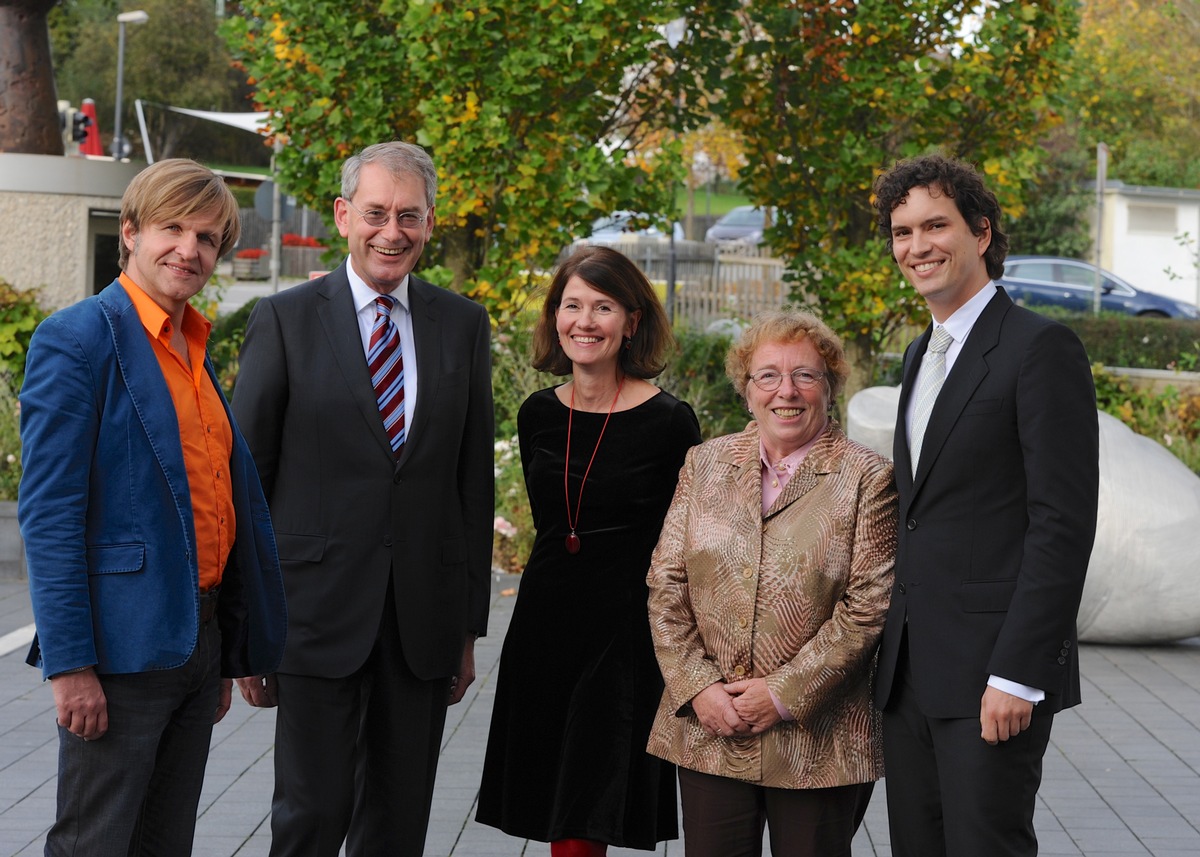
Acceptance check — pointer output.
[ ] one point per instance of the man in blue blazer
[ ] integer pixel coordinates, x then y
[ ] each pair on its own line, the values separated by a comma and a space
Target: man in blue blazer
366, 399
996, 456
152, 564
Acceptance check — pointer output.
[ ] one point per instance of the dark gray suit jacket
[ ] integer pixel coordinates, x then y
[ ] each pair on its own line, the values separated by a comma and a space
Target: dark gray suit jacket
996, 528
345, 513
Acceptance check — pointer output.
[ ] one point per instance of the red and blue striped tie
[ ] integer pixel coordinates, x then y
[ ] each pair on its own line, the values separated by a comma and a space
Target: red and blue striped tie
386, 363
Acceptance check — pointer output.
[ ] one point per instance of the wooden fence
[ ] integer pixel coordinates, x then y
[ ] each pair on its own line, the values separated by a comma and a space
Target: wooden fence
711, 283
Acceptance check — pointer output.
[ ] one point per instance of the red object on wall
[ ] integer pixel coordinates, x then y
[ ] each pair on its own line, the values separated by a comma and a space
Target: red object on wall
91, 145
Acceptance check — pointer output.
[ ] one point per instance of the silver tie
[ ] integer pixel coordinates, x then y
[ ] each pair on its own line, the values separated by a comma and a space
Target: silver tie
933, 373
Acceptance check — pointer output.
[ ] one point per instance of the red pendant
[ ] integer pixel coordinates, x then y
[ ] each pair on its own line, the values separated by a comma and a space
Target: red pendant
572, 543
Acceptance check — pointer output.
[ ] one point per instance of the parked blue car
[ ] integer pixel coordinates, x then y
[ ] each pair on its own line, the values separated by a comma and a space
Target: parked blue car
1069, 283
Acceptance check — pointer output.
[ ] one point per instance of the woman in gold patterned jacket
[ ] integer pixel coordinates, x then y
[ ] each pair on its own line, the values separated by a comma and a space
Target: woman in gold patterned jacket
768, 590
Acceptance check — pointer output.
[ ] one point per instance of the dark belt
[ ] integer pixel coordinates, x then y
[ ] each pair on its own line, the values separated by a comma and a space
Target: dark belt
208, 605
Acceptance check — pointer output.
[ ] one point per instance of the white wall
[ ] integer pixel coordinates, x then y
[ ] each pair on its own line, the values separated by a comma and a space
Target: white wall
46, 206
1150, 238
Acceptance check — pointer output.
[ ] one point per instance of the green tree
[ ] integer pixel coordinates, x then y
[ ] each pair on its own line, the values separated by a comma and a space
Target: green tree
827, 93
1137, 88
177, 57
538, 113
1054, 221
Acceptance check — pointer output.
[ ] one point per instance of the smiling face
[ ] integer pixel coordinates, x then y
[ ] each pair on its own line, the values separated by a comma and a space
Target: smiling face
592, 326
384, 256
172, 260
936, 251
788, 417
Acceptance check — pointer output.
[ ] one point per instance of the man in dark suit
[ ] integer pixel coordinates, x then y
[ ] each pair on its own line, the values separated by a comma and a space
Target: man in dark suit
366, 398
997, 472
152, 565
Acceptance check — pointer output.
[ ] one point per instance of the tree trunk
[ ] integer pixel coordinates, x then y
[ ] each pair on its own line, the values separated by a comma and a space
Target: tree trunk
861, 357
457, 255
28, 103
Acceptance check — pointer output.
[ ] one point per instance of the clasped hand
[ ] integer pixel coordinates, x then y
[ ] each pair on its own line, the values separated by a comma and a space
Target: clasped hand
737, 708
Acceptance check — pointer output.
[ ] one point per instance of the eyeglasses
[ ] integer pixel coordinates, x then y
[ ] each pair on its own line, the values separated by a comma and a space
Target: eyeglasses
768, 380
378, 219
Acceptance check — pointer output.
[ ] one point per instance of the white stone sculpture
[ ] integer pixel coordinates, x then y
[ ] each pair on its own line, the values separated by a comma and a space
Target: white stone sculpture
1143, 583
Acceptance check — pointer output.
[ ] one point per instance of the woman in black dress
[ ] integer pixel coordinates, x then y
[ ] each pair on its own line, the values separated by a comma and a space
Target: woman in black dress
578, 683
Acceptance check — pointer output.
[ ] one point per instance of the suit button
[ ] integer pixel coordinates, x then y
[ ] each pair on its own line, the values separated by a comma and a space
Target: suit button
903, 589
1062, 660
395, 478
747, 573
739, 671
912, 523
387, 541
742, 622
1066, 644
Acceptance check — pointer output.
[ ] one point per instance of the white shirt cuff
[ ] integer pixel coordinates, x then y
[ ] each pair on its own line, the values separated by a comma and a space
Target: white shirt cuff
1029, 694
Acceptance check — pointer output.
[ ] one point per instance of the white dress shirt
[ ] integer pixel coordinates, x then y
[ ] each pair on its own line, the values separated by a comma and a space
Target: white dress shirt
364, 306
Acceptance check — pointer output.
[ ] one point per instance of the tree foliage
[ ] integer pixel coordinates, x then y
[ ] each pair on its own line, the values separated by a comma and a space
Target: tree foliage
535, 111
1137, 88
827, 93
177, 57
1053, 221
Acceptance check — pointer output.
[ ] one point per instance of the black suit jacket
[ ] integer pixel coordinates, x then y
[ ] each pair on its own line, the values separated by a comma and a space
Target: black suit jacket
346, 514
996, 527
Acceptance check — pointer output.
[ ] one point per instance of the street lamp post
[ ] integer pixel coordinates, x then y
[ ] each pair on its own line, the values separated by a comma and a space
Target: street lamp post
135, 17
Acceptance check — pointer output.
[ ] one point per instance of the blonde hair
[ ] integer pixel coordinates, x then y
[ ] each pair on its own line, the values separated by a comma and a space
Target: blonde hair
179, 188
787, 326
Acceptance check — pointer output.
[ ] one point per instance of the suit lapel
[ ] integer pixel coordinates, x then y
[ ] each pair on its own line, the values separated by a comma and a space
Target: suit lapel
821, 459
340, 323
426, 328
970, 368
900, 453
147, 390
741, 457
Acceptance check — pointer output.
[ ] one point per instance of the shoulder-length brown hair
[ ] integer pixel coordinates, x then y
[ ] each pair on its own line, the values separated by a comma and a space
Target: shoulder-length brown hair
612, 273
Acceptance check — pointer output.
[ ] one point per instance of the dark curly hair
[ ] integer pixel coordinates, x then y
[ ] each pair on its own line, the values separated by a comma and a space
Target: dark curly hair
958, 180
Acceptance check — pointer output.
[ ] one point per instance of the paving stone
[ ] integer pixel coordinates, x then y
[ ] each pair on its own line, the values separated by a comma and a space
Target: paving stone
1122, 775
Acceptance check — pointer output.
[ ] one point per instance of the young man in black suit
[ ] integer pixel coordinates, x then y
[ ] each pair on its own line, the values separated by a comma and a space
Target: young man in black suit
996, 454
381, 494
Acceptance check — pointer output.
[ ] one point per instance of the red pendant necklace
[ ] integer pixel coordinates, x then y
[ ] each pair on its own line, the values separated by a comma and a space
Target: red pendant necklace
572, 539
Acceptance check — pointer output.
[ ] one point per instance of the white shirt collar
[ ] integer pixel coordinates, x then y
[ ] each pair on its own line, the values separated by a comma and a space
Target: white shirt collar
960, 323
364, 295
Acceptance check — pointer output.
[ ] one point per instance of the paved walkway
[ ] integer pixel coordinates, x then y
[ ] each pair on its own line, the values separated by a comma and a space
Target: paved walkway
1122, 775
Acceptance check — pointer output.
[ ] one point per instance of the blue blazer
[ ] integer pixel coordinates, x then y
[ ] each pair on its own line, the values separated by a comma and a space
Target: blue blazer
106, 513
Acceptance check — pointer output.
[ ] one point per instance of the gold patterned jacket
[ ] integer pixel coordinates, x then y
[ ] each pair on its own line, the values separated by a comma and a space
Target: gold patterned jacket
796, 596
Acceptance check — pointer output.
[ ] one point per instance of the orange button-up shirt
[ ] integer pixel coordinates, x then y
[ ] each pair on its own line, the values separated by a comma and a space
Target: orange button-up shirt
204, 430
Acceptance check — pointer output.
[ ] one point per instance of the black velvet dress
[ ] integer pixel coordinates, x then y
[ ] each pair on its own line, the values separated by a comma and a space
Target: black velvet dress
578, 682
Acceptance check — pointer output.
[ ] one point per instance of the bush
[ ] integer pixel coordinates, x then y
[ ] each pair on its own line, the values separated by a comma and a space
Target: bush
1137, 343
696, 375
10, 440
20, 314
1171, 417
224, 343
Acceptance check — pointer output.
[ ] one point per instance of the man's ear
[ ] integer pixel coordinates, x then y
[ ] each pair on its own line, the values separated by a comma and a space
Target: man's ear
985, 235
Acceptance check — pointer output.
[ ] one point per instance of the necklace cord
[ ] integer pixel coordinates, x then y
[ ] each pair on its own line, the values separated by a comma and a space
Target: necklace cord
572, 521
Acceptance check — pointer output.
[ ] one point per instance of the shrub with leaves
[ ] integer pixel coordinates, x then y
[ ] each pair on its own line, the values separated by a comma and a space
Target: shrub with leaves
20, 314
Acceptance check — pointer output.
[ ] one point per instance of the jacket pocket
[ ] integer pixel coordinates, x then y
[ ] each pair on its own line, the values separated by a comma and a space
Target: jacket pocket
115, 559
296, 547
982, 406
988, 596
